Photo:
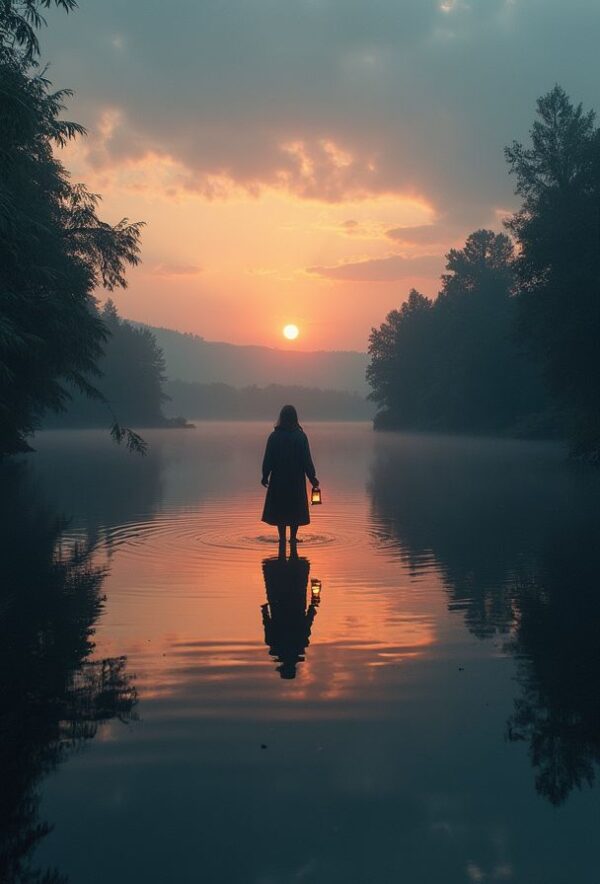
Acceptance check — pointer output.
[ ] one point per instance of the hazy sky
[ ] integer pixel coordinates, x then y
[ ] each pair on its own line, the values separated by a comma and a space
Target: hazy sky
306, 161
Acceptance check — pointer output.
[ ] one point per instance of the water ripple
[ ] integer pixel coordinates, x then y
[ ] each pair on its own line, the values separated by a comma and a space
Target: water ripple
210, 532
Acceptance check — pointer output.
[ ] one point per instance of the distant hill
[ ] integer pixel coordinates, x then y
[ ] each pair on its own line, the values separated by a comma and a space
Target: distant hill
225, 402
190, 358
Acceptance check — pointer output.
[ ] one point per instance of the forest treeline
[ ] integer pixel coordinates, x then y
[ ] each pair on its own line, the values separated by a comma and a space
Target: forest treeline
131, 381
225, 402
510, 343
454, 362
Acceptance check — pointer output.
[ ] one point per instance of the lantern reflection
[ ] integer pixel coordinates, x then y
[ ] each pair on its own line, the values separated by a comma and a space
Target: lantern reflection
315, 591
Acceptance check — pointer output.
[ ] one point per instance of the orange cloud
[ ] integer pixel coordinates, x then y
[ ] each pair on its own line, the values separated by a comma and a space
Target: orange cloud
176, 269
311, 168
421, 234
390, 268
229, 262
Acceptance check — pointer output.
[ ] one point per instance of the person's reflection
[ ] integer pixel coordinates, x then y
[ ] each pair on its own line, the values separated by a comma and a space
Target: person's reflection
286, 618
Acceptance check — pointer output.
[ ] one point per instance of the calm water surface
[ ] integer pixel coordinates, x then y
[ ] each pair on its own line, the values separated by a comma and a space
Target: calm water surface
415, 699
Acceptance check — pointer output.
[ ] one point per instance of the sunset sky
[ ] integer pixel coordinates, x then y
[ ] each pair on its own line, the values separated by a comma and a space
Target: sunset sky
306, 161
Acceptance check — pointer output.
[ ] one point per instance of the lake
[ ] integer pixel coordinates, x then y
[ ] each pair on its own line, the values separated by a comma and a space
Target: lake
413, 699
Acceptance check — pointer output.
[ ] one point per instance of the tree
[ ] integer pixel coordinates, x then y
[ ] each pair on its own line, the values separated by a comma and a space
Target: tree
54, 249
454, 364
131, 377
399, 372
133, 371
488, 385
19, 20
558, 265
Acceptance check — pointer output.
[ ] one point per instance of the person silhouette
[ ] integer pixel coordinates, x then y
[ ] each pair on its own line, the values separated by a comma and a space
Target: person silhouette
286, 463
286, 619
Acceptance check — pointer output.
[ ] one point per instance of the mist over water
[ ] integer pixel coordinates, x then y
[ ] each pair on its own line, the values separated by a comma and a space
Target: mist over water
414, 698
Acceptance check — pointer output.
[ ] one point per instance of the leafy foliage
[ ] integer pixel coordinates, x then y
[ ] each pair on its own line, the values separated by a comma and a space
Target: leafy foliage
558, 263
54, 249
131, 375
133, 441
453, 363
19, 20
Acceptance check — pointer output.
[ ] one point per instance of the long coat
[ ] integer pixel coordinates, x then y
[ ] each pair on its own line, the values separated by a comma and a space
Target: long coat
286, 463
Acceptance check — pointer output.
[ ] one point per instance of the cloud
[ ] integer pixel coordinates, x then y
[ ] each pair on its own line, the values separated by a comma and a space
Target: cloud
388, 269
327, 100
167, 269
323, 169
422, 234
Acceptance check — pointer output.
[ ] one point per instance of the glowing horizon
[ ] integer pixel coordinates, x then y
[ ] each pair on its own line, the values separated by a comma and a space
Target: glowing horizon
295, 256
276, 191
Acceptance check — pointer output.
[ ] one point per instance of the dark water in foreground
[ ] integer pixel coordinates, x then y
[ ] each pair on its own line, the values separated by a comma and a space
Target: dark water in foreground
442, 625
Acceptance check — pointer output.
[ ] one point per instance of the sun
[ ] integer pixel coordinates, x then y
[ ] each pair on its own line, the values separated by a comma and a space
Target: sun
291, 332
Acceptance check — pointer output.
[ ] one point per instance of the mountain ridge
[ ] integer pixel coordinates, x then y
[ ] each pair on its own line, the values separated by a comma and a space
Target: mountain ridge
190, 357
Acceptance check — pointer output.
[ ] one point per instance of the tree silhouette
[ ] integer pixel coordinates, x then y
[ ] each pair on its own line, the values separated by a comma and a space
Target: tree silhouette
131, 375
53, 697
558, 264
19, 20
453, 363
54, 249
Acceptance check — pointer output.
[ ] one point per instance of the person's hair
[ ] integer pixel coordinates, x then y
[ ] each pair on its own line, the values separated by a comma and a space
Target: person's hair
288, 419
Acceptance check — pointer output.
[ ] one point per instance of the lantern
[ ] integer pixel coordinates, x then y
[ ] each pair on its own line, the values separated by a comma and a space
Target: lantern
315, 497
